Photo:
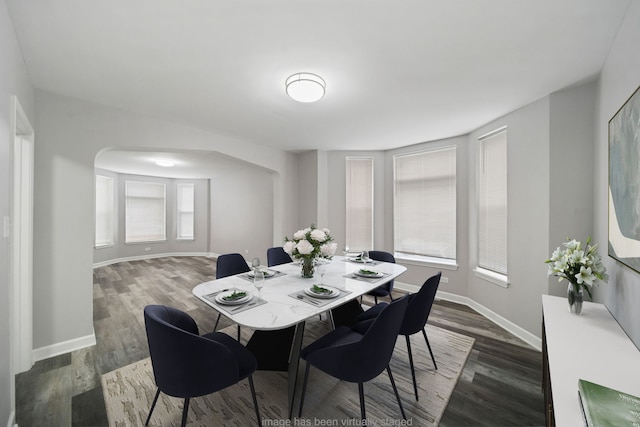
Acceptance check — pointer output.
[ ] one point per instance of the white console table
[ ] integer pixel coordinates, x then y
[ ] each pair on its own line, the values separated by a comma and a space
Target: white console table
591, 346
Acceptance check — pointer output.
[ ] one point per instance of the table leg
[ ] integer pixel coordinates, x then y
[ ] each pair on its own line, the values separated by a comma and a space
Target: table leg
279, 350
272, 349
346, 314
294, 363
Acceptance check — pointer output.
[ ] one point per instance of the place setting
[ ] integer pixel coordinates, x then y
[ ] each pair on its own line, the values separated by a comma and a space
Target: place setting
360, 258
319, 294
235, 300
268, 273
366, 274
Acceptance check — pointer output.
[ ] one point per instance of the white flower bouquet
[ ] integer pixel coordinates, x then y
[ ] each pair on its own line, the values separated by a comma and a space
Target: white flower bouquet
582, 267
310, 243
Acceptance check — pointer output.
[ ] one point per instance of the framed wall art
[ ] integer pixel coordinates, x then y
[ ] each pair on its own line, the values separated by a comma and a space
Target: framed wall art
624, 183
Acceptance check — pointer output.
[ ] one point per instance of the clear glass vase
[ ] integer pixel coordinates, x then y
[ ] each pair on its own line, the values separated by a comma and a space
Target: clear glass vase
307, 267
575, 297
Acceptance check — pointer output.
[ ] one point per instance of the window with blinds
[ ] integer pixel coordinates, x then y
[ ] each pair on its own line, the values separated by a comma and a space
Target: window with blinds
492, 202
104, 211
145, 212
359, 203
425, 204
186, 209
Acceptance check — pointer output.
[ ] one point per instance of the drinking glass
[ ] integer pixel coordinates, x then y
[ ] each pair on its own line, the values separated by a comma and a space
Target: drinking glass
321, 268
365, 257
255, 263
258, 280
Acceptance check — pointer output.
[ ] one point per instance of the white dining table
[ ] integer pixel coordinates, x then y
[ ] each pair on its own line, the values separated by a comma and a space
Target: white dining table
284, 306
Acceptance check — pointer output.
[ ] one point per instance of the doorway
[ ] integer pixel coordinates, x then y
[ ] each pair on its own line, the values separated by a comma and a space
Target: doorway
20, 228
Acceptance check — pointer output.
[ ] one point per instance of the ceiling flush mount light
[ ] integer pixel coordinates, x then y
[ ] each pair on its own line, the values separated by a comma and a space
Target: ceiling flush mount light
305, 87
164, 163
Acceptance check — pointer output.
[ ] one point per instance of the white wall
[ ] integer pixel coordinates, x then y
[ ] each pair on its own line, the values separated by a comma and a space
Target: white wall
71, 133
618, 80
242, 213
14, 82
572, 113
528, 217
307, 196
547, 140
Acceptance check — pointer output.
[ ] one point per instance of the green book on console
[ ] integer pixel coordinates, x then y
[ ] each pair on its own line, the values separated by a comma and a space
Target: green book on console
605, 407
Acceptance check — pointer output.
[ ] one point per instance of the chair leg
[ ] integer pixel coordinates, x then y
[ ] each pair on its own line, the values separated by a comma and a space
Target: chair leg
304, 389
395, 391
375, 298
255, 400
361, 392
184, 412
153, 405
413, 371
217, 321
238, 333
429, 347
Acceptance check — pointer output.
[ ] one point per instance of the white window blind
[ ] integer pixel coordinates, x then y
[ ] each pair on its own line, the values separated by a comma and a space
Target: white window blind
104, 211
145, 217
425, 203
186, 207
359, 203
492, 202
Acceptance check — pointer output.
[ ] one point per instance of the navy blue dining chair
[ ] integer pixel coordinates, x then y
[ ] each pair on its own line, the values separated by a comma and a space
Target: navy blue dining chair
351, 356
230, 265
415, 318
186, 364
385, 289
277, 256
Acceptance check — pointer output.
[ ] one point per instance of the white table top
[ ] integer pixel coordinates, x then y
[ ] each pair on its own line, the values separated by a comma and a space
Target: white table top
281, 310
591, 346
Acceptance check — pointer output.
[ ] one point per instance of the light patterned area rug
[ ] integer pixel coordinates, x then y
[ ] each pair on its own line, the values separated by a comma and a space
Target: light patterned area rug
129, 391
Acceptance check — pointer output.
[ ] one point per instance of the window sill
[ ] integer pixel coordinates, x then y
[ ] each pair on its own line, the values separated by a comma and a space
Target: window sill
145, 242
490, 276
108, 245
424, 261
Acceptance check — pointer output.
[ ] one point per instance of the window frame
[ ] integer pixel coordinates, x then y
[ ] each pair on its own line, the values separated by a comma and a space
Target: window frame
127, 201
180, 212
109, 204
427, 259
349, 243
485, 272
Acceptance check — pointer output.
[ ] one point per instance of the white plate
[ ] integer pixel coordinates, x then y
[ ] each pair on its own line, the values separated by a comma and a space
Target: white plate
358, 260
361, 274
267, 273
220, 298
334, 292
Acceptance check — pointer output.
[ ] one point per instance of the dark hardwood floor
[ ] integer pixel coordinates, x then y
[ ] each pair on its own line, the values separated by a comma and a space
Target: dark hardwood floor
500, 384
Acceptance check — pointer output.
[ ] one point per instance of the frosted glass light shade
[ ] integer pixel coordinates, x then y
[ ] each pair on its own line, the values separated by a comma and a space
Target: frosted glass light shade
305, 87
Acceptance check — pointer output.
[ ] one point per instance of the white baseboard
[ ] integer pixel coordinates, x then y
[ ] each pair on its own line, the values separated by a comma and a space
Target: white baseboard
504, 323
151, 256
63, 347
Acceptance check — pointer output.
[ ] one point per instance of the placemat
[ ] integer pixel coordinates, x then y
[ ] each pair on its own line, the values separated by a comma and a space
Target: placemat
318, 302
234, 309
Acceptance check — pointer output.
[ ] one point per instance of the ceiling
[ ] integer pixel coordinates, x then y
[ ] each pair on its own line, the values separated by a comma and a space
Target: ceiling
186, 164
397, 73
